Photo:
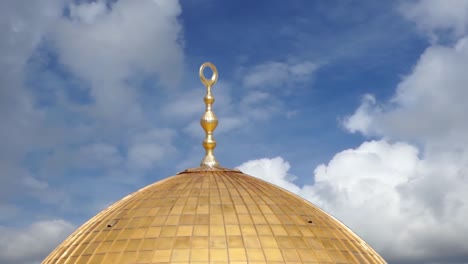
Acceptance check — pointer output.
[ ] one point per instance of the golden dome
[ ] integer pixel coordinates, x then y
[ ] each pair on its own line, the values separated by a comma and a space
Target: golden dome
213, 215
209, 215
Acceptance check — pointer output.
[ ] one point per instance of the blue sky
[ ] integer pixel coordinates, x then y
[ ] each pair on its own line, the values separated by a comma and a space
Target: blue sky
357, 106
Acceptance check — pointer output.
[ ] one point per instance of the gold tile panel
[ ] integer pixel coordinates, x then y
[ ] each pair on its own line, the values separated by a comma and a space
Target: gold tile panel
213, 216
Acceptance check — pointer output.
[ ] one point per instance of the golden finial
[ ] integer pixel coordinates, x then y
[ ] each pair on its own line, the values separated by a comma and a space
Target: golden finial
209, 121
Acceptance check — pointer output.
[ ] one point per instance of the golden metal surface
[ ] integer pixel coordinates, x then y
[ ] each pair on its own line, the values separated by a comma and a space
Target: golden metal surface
213, 215
209, 121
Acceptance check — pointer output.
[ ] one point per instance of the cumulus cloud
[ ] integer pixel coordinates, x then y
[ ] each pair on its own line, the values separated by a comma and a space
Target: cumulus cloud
433, 16
273, 170
35, 242
361, 120
409, 209
429, 104
106, 46
428, 108
406, 206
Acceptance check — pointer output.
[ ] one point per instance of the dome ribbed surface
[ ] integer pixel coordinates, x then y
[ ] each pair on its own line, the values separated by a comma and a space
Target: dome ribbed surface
213, 216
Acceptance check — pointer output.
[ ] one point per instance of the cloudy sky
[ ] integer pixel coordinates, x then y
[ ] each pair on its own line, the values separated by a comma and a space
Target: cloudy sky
358, 106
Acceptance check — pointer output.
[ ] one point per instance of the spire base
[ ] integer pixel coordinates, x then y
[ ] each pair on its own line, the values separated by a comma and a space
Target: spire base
209, 161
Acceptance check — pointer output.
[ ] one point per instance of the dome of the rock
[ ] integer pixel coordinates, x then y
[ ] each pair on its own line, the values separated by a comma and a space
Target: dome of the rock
212, 214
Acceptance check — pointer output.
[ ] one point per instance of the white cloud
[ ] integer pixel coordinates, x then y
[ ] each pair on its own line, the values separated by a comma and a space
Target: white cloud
149, 148
404, 206
436, 15
88, 13
361, 120
273, 170
106, 46
22, 27
33, 243
429, 104
278, 74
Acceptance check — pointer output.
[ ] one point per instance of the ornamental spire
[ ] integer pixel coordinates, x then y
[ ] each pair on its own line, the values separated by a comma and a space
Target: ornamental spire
209, 121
